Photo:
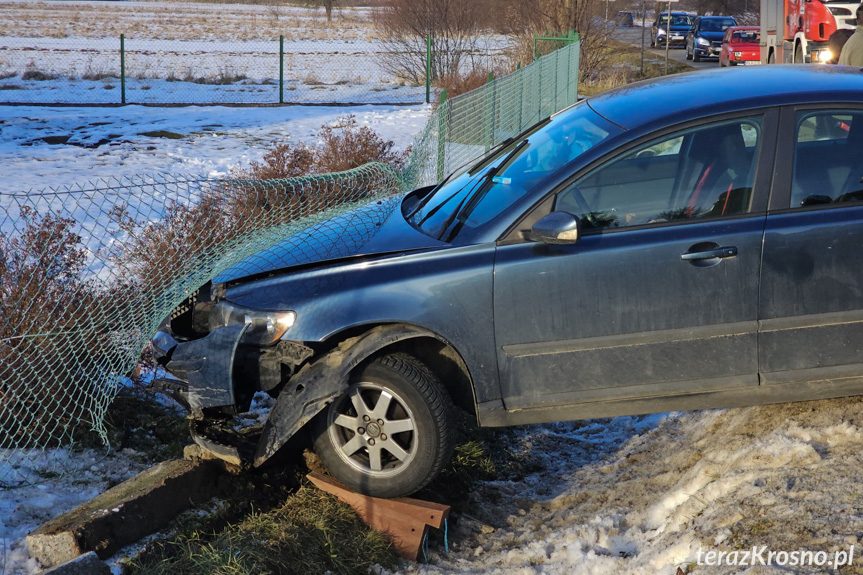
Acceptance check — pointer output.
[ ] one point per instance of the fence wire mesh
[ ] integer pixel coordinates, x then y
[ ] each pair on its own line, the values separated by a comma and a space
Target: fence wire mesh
88, 272
465, 127
189, 53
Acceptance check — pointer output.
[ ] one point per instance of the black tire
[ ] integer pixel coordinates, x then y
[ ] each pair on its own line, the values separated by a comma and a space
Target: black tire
798, 54
688, 53
695, 56
406, 460
771, 59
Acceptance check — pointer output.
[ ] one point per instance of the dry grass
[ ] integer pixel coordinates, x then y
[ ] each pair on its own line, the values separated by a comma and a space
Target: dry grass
174, 21
621, 65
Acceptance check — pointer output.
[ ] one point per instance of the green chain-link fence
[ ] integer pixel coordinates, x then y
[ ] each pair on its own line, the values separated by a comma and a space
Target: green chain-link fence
88, 272
467, 126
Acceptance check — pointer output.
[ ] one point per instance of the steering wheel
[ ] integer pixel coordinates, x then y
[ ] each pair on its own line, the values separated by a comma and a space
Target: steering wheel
582, 205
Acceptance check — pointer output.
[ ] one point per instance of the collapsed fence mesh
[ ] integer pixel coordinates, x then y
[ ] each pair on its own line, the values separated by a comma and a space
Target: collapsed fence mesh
88, 272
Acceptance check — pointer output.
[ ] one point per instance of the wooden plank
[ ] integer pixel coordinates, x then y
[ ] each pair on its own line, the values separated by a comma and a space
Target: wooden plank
404, 520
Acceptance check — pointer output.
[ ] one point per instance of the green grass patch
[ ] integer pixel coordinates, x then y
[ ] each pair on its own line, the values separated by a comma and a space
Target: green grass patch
622, 65
162, 134
312, 532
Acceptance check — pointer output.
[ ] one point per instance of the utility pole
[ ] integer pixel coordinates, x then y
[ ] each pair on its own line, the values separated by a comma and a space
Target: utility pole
667, 36
643, 17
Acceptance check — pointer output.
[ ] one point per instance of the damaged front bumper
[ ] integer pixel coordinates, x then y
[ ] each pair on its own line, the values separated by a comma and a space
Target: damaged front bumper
203, 367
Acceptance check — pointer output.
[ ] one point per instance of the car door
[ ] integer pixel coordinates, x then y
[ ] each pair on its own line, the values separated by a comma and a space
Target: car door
811, 307
690, 36
660, 294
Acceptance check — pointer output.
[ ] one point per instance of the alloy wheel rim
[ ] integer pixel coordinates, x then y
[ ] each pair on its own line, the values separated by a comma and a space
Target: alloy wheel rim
373, 430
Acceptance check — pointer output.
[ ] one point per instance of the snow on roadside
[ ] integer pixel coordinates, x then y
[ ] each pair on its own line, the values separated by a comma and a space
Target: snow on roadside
53, 482
640, 496
132, 140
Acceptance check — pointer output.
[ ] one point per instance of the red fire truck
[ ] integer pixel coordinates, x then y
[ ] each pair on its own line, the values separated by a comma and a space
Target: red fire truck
798, 30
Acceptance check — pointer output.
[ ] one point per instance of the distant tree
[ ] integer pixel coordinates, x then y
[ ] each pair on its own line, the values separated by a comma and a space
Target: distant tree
328, 6
453, 25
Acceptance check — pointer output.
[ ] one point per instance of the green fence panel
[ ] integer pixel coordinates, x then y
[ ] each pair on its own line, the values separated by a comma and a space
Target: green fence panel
464, 127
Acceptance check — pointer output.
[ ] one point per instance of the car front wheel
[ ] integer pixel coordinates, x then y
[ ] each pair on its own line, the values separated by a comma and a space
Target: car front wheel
688, 53
390, 434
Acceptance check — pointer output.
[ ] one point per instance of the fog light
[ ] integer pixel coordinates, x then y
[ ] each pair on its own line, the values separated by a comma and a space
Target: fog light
825, 56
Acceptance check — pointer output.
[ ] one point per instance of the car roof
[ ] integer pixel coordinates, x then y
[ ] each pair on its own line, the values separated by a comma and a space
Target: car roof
716, 17
702, 93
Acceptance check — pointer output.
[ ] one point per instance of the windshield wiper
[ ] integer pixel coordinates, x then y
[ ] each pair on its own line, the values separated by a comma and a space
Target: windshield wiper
421, 204
466, 207
489, 156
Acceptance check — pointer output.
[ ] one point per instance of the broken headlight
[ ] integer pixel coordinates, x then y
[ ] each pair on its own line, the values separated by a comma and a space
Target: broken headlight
265, 327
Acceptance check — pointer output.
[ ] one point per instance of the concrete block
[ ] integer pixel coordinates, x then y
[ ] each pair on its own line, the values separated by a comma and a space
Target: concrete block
87, 564
125, 513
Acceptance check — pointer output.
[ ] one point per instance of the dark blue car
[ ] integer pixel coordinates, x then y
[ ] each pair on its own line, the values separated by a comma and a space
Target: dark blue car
704, 39
686, 243
673, 31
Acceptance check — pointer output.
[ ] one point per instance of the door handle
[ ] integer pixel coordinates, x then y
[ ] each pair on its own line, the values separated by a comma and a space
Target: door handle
724, 252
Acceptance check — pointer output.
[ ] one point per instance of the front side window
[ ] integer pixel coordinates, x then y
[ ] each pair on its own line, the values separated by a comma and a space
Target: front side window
704, 172
828, 158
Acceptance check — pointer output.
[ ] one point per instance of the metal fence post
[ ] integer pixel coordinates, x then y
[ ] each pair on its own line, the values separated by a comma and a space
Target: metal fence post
281, 69
489, 122
122, 68
442, 110
428, 69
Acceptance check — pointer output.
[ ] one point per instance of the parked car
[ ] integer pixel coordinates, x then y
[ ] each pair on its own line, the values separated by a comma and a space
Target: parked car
680, 23
624, 18
656, 247
741, 45
704, 38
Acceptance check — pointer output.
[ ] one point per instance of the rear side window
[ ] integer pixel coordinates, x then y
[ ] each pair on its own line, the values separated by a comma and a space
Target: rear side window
700, 173
828, 158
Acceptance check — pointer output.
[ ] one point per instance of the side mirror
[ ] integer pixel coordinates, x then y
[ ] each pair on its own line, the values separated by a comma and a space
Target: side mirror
557, 228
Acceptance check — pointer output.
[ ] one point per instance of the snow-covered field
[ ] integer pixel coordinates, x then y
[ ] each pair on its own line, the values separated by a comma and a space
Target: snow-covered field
181, 52
209, 141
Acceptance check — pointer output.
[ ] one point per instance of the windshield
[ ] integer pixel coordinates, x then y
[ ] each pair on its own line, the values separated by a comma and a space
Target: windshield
474, 198
676, 20
711, 25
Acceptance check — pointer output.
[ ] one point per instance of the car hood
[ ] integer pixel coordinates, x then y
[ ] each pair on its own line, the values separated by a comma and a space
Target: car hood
712, 36
677, 29
373, 229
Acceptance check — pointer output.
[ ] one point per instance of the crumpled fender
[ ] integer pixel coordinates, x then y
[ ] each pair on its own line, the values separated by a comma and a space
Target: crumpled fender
319, 383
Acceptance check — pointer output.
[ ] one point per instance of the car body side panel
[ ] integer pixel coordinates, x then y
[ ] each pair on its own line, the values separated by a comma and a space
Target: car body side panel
812, 295
621, 315
448, 292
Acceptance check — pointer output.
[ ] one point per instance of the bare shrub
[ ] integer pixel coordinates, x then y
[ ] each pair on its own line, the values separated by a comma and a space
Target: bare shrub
527, 18
41, 295
462, 82
349, 146
37, 75
341, 147
454, 27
